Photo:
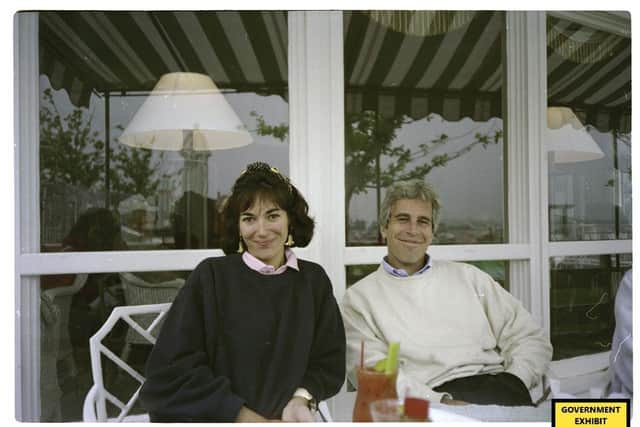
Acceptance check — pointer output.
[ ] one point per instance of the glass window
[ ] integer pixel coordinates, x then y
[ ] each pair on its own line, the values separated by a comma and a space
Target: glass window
72, 309
113, 136
589, 132
496, 269
583, 291
423, 99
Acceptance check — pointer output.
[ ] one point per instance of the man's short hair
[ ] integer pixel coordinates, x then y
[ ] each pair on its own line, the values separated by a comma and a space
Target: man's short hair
413, 189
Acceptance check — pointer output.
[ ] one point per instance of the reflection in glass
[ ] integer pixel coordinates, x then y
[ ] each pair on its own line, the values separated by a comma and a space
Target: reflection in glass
589, 74
89, 95
187, 113
583, 290
72, 309
496, 269
423, 99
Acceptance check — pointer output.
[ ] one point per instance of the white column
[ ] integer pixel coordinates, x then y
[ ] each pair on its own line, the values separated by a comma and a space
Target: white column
316, 117
316, 112
27, 215
527, 168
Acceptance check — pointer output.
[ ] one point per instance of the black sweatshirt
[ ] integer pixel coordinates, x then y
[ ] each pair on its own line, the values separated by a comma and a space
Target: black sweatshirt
235, 337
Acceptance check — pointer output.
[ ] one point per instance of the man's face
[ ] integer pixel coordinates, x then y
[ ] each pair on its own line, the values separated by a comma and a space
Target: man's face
408, 233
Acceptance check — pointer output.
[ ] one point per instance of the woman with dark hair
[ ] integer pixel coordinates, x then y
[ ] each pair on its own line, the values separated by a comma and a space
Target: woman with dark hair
255, 335
98, 229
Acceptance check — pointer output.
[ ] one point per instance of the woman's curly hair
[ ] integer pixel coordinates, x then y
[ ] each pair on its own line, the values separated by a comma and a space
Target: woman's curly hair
261, 181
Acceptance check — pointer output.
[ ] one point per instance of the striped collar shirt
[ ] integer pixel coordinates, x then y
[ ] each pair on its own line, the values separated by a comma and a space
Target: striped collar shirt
399, 272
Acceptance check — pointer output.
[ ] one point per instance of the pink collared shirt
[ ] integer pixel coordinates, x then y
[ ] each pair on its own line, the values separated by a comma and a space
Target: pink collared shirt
262, 268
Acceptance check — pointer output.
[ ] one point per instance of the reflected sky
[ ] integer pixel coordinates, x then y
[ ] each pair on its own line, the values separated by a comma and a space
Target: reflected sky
471, 186
224, 165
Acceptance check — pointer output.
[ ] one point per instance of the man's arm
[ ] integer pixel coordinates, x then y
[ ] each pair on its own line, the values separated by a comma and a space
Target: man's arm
360, 335
522, 342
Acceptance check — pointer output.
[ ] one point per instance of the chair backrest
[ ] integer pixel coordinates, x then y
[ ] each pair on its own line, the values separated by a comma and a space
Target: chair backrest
61, 297
140, 292
95, 405
78, 282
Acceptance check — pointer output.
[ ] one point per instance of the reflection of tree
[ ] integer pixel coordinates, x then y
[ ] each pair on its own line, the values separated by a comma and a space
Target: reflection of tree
134, 171
72, 153
369, 137
277, 131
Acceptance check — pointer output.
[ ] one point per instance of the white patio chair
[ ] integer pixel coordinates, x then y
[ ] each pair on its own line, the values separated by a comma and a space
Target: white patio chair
62, 297
95, 403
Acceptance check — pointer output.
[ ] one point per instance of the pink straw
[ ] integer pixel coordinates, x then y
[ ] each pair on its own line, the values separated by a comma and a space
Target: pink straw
361, 354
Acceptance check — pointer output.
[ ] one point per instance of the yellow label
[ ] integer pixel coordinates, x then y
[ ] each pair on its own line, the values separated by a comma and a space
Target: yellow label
590, 412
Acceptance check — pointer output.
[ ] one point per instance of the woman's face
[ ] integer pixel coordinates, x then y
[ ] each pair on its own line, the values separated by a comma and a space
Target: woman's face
264, 228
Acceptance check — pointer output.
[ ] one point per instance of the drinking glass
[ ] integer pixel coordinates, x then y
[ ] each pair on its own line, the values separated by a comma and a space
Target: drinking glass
372, 386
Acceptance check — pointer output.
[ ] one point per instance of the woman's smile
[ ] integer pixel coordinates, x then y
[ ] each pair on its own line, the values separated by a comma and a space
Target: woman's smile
264, 228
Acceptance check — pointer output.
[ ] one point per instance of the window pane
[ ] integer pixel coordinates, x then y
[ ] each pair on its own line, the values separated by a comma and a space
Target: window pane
97, 70
72, 309
496, 269
583, 291
589, 132
423, 99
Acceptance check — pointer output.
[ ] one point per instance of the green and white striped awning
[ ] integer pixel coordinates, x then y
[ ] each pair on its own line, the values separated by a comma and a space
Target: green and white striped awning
451, 64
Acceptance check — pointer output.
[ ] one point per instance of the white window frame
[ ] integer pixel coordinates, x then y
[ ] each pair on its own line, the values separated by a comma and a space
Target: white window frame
316, 111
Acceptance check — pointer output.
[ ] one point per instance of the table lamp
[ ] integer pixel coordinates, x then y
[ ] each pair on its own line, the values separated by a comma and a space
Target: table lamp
187, 112
567, 139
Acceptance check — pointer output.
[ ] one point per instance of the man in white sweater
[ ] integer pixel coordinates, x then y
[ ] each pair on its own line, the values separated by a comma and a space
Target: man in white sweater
462, 336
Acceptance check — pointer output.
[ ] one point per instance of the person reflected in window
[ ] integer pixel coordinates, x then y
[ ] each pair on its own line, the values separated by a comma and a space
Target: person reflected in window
463, 338
188, 214
255, 335
621, 358
72, 308
96, 229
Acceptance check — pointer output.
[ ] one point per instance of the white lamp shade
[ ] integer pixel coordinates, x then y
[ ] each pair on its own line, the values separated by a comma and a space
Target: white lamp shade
567, 139
180, 103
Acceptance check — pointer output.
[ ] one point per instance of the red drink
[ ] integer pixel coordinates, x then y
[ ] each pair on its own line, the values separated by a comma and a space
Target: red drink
372, 385
416, 409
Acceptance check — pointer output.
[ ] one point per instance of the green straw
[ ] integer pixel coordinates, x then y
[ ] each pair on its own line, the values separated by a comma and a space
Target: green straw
392, 358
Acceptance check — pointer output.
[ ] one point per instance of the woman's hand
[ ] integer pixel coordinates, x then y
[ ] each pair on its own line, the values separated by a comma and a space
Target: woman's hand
246, 415
297, 411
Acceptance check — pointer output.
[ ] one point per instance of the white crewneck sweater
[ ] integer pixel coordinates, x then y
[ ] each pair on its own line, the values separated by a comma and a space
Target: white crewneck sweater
453, 321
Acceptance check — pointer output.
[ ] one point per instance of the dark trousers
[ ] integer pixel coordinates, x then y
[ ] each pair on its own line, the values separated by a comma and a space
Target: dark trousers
488, 389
